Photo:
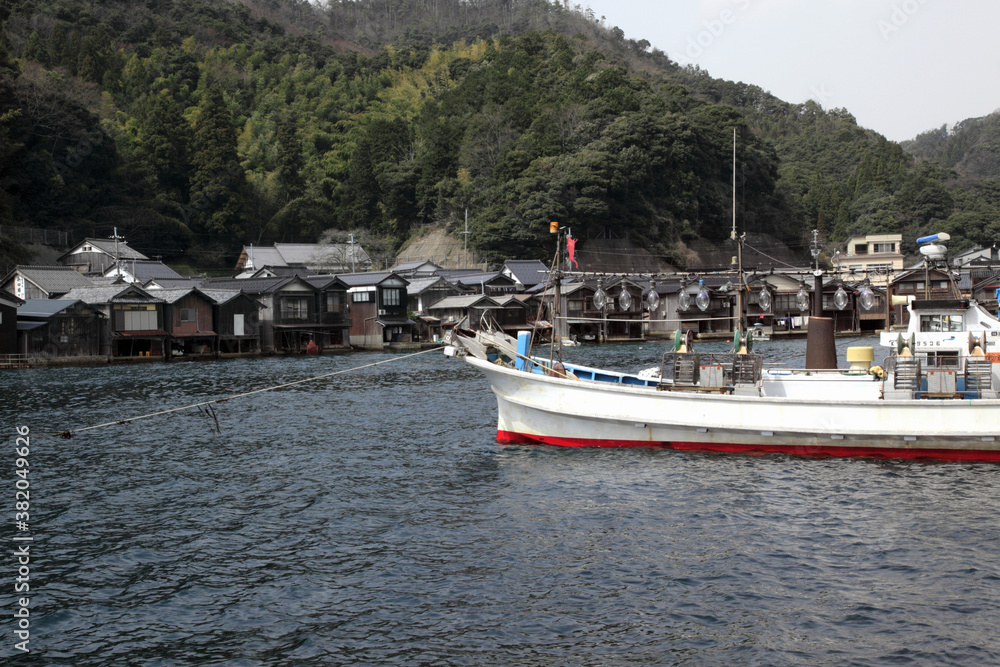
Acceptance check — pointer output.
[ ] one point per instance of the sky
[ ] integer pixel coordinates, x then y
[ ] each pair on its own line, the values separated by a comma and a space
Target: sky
901, 67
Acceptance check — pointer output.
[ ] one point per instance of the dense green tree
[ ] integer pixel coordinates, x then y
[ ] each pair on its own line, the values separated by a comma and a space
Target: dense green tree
290, 162
161, 146
265, 120
217, 182
35, 50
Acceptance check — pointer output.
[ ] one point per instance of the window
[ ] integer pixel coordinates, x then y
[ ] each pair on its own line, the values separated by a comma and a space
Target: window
883, 247
333, 302
295, 308
860, 248
390, 296
575, 305
941, 323
189, 315
139, 319
362, 297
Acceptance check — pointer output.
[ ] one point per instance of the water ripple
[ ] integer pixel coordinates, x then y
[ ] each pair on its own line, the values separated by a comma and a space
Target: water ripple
371, 518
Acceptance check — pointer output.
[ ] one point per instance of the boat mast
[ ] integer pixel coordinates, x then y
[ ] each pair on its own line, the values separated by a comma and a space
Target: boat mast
556, 275
740, 322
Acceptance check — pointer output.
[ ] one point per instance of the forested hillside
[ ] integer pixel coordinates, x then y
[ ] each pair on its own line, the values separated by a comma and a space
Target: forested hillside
971, 147
194, 126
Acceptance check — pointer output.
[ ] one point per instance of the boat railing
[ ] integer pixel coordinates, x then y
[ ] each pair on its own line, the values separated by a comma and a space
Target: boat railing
952, 377
712, 372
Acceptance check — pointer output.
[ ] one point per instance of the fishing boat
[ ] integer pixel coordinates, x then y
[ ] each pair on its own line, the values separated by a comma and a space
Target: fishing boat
903, 408
935, 394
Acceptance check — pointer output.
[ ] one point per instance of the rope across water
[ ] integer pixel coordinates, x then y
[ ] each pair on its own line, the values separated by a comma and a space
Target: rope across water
69, 433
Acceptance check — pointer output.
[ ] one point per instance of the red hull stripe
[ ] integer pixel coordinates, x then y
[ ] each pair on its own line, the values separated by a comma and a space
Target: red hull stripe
512, 438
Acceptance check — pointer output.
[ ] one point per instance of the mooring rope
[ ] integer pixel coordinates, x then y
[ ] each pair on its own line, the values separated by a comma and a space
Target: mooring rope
69, 433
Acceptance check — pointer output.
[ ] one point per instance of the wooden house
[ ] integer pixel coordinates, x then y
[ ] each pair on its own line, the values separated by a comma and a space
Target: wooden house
719, 315
416, 269
334, 325
663, 321
580, 320
135, 318
59, 328
289, 316
95, 256
42, 282
421, 293
466, 310
921, 283
317, 258
237, 322
976, 256
783, 312
491, 283
986, 291
189, 318
513, 314
377, 302
8, 322
623, 316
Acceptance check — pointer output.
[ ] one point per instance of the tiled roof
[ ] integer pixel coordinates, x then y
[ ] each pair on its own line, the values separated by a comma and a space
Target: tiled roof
102, 295
316, 256
264, 256
418, 285
368, 278
483, 278
453, 275
148, 269
271, 270
248, 285
53, 279
528, 272
464, 301
44, 307
425, 266
221, 296
174, 283
175, 295
321, 254
325, 282
509, 299
125, 251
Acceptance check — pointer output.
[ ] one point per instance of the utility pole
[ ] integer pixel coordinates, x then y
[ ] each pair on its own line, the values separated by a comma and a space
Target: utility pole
352, 253
741, 316
465, 256
117, 258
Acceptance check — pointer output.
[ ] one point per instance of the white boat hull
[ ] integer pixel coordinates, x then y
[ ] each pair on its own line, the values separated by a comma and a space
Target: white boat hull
851, 420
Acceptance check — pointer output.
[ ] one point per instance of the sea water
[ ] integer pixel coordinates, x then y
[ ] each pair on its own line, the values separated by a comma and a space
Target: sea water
371, 518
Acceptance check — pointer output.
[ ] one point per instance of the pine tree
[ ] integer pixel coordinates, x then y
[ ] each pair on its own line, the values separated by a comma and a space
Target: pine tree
163, 144
35, 50
217, 179
289, 159
57, 45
